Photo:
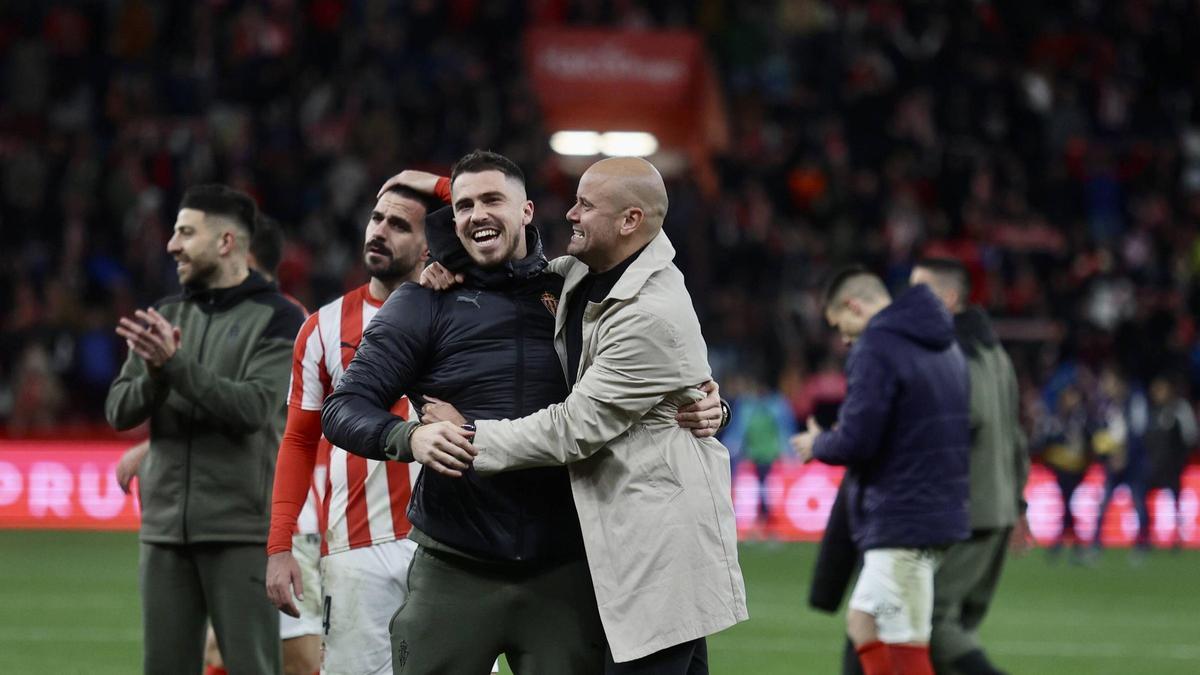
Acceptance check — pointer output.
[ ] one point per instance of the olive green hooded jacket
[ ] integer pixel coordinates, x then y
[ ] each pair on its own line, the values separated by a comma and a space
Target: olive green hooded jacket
216, 412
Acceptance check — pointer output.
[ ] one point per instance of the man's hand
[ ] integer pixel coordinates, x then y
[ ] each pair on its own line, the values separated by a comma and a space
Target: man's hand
421, 181
151, 337
1021, 540
130, 462
444, 447
704, 416
802, 443
439, 278
437, 410
283, 574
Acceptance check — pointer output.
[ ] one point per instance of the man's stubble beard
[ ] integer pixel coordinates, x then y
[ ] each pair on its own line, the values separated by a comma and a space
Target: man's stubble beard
201, 277
396, 269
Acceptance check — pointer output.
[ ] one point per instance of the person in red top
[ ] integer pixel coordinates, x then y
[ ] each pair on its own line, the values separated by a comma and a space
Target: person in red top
363, 516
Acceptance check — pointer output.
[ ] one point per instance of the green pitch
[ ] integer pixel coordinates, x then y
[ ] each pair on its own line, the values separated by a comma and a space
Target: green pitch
68, 604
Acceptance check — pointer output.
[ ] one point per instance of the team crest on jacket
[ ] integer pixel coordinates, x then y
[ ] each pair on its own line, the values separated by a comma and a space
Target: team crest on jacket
550, 302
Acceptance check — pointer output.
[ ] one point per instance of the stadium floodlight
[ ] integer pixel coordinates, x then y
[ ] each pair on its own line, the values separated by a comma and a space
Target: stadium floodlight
578, 143
628, 144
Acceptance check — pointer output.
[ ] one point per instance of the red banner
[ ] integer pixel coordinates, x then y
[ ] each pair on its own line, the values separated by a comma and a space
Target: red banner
799, 498
642, 68
73, 485
64, 485
604, 80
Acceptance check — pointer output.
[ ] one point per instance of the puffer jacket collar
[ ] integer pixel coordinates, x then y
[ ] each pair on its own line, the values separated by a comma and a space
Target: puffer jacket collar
444, 247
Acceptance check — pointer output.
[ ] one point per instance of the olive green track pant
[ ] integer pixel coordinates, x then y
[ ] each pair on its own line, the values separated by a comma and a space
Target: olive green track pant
183, 585
461, 614
962, 593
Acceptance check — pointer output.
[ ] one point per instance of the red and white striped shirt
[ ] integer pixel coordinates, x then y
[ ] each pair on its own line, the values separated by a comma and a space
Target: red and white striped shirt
365, 501
309, 520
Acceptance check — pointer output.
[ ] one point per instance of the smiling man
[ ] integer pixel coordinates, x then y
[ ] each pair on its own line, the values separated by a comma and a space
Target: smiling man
653, 500
208, 369
500, 565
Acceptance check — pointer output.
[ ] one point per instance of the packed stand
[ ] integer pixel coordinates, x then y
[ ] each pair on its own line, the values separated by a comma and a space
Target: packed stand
1051, 148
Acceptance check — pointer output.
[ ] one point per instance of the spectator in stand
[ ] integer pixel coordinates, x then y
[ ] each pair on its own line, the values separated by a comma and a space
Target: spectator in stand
759, 433
1064, 443
38, 396
1170, 436
1121, 418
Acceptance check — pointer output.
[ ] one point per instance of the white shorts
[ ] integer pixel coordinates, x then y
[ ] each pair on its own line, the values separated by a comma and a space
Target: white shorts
363, 587
306, 549
896, 587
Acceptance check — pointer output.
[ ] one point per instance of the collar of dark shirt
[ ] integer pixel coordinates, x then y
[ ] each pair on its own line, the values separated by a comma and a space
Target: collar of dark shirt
599, 284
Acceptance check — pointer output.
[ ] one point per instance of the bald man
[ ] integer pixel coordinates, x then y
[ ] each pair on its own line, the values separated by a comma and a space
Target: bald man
653, 500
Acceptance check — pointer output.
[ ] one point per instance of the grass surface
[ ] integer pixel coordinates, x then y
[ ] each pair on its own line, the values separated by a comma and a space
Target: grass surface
69, 604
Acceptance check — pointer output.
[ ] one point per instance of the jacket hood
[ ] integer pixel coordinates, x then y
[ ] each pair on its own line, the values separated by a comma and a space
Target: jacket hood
918, 315
444, 247
973, 327
222, 298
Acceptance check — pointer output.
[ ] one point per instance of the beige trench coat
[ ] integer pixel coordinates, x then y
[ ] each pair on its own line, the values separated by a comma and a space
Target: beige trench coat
654, 502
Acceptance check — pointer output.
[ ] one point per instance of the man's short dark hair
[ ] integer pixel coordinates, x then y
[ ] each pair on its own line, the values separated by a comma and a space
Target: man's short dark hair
854, 280
266, 244
224, 201
950, 271
430, 202
486, 160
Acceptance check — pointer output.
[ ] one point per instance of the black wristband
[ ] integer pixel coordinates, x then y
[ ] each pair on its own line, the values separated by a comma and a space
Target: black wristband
726, 414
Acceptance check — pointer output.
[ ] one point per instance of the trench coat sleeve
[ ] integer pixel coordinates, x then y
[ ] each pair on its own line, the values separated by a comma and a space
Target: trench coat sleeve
638, 362
870, 389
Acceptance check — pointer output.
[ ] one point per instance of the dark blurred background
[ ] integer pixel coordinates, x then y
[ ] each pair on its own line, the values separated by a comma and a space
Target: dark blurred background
1054, 148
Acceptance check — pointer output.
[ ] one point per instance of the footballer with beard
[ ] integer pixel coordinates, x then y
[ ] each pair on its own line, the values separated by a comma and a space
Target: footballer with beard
363, 521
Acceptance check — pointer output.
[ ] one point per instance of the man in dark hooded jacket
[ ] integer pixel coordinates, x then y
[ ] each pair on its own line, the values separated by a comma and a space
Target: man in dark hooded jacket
903, 433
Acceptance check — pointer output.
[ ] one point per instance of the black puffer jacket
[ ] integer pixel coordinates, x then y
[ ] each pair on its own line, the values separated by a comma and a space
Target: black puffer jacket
486, 347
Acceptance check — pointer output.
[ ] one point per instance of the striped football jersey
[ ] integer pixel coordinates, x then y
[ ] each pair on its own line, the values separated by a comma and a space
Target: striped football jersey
365, 502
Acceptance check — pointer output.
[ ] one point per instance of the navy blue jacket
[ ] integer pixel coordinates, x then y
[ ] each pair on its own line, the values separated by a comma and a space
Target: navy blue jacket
487, 348
904, 428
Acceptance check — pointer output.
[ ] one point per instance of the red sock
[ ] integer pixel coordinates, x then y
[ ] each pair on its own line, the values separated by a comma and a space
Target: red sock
213, 670
911, 660
875, 658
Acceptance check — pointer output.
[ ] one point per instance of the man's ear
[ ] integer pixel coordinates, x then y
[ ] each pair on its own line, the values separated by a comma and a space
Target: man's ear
632, 222
957, 300
854, 305
527, 212
226, 241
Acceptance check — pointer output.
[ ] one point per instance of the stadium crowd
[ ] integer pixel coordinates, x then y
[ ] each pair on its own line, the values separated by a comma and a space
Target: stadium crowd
1051, 147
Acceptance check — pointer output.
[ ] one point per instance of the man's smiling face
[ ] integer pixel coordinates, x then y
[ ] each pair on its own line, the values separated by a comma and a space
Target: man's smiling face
490, 215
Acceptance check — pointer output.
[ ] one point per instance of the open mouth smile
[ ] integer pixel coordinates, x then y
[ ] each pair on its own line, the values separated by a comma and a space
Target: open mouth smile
485, 235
